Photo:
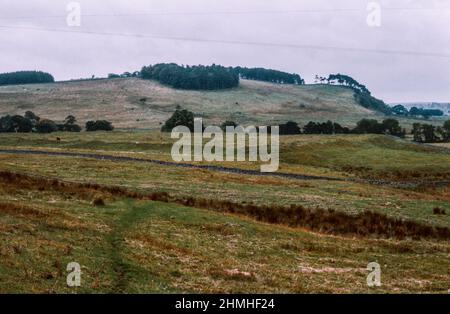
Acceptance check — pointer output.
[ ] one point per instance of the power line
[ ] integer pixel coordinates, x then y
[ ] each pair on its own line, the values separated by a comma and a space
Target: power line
268, 12
237, 42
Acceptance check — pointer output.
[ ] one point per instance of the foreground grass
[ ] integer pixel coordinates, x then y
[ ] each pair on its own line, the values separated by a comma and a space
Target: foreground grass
137, 246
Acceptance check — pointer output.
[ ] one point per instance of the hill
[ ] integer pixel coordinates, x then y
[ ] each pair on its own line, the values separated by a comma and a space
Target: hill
136, 103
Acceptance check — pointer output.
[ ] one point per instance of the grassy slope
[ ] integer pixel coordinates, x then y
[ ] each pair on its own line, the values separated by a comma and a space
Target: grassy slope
119, 100
133, 103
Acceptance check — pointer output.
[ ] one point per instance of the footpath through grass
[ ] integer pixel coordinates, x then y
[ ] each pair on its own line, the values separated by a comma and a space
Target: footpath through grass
141, 246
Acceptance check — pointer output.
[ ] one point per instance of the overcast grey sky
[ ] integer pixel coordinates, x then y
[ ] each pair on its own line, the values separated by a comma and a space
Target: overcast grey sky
406, 25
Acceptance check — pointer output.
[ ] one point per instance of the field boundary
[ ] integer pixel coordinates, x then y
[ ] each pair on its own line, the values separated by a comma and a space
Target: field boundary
294, 176
169, 163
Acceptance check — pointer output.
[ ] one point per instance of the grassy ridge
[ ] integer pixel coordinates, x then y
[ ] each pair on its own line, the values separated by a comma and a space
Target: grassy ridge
135, 103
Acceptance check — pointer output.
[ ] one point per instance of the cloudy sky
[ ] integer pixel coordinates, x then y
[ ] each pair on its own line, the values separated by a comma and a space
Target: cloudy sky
406, 58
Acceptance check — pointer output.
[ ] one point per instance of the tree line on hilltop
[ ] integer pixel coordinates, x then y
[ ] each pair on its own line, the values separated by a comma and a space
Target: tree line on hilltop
213, 77
268, 75
192, 77
362, 95
25, 77
30, 122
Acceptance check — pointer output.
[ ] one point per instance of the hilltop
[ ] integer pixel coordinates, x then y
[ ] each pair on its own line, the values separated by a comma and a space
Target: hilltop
136, 103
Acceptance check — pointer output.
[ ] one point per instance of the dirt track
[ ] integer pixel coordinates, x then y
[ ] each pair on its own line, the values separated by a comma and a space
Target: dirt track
167, 163
222, 169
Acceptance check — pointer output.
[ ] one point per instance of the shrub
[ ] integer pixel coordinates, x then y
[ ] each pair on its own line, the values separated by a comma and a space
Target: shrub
181, 117
368, 126
22, 124
15, 124
72, 128
427, 133
228, 123
98, 202
6, 124
290, 128
31, 116
438, 211
46, 126
70, 125
99, 125
392, 127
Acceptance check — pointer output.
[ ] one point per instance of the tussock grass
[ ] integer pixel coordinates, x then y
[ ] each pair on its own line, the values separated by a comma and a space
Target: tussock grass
22, 210
318, 219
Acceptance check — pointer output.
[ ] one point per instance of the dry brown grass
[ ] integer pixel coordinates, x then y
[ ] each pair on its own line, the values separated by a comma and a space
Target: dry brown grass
21, 210
318, 219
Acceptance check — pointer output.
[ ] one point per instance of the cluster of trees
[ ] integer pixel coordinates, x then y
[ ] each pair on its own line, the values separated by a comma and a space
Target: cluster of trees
210, 77
346, 80
427, 133
25, 77
30, 122
192, 77
364, 126
370, 102
400, 110
362, 95
268, 75
328, 127
183, 117
371, 126
124, 74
